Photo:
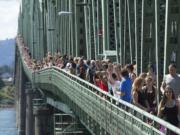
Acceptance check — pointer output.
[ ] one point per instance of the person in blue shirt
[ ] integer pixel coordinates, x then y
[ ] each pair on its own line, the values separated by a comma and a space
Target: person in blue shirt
125, 86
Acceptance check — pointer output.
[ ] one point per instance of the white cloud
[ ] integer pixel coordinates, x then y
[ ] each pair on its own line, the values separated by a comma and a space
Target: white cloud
9, 10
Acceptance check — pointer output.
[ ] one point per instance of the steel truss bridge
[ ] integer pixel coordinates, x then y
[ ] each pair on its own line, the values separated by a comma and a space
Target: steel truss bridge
120, 30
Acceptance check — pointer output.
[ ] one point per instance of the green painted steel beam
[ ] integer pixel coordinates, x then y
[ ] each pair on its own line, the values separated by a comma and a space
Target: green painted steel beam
130, 35
166, 39
157, 48
93, 7
87, 29
120, 33
73, 35
136, 36
124, 36
104, 25
116, 31
142, 36
76, 29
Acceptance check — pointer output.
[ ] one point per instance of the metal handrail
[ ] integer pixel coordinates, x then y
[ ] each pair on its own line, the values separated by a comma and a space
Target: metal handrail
126, 104
92, 89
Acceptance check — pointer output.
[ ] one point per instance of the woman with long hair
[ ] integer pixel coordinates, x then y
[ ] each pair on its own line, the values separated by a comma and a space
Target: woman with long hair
138, 95
150, 91
168, 109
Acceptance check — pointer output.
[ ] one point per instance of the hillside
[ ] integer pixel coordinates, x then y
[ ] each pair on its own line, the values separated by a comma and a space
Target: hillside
7, 52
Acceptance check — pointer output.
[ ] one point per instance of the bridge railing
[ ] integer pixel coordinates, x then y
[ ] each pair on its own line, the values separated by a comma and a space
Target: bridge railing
102, 107
97, 109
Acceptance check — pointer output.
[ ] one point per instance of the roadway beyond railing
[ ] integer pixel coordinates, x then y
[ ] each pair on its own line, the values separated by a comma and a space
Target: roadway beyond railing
100, 114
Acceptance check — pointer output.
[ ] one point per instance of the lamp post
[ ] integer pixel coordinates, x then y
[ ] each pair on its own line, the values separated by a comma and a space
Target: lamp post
41, 2
64, 13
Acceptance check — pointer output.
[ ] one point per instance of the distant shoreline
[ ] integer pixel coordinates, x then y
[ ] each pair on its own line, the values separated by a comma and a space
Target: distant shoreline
2, 106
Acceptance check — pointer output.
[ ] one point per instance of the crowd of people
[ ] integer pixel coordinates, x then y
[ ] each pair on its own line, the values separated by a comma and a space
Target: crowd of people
120, 81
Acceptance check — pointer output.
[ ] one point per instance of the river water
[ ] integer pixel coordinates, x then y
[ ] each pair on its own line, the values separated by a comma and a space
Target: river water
8, 121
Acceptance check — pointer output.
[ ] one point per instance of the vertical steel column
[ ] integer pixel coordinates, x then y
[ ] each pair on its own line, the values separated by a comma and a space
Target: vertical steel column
119, 51
86, 17
130, 35
24, 19
53, 22
73, 27
47, 27
60, 29
75, 22
157, 44
36, 31
56, 31
124, 46
57, 25
63, 17
29, 41
142, 35
33, 40
20, 19
97, 27
65, 27
93, 6
166, 38
106, 15
104, 24
29, 35
136, 36
44, 28
41, 30
50, 28
69, 38
91, 44
116, 30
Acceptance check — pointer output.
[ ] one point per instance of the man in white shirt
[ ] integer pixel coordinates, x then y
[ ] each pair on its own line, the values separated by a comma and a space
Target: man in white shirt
172, 79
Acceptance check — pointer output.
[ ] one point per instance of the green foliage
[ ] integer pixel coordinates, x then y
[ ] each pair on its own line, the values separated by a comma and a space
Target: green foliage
1, 83
7, 95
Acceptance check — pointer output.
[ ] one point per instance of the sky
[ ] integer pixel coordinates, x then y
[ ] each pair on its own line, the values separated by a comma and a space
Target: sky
9, 10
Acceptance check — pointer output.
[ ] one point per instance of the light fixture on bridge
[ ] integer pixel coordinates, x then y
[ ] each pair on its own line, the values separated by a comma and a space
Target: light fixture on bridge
64, 13
41, 3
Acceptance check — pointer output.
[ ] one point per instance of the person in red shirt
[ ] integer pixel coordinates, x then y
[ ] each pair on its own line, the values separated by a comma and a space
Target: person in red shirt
104, 83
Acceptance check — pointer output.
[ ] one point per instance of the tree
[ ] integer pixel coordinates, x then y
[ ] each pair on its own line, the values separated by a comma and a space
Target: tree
2, 84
